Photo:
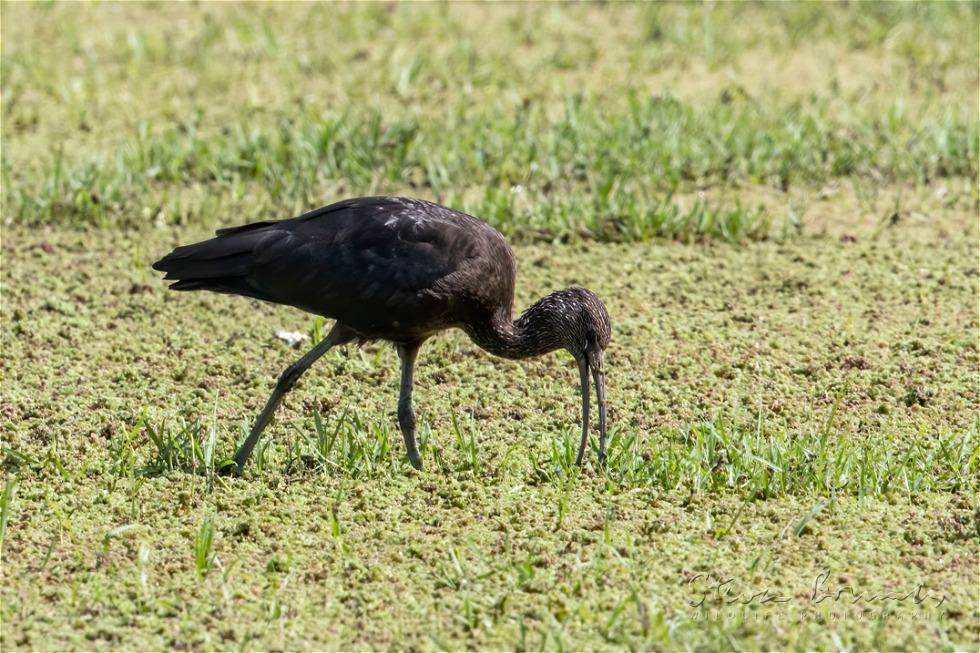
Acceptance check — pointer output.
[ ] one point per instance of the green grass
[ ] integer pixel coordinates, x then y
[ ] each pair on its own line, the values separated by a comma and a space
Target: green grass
704, 458
587, 171
6, 501
587, 152
776, 202
204, 557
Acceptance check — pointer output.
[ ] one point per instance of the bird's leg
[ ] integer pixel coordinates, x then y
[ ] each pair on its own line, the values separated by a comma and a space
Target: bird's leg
406, 417
338, 335
583, 369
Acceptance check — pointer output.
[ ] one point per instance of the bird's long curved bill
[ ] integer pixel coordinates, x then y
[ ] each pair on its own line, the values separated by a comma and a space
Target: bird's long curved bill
600, 392
583, 370
600, 395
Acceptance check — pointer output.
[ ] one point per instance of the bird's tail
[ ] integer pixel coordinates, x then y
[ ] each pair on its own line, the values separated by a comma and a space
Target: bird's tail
221, 264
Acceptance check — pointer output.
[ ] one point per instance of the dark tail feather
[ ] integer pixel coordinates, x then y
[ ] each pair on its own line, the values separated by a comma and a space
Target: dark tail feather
220, 264
232, 265
228, 285
252, 226
190, 284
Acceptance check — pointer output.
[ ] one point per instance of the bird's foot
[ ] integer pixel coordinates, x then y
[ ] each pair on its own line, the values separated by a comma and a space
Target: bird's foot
415, 459
228, 468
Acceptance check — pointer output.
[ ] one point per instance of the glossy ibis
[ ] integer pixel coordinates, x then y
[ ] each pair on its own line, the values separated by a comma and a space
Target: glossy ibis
401, 270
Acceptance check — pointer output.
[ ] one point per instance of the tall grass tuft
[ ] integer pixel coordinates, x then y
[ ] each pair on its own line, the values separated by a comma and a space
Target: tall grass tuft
349, 447
204, 556
714, 457
190, 447
6, 504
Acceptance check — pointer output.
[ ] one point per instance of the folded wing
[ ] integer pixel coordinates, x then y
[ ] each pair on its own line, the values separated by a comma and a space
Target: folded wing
365, 262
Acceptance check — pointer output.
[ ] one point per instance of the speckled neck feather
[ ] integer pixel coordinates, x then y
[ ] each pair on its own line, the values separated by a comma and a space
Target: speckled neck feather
572, 319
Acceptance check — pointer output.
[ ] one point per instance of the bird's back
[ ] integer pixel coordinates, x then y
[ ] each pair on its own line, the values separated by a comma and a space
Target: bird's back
388, 267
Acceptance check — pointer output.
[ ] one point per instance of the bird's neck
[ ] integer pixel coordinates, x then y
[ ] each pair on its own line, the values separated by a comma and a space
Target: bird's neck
533, 334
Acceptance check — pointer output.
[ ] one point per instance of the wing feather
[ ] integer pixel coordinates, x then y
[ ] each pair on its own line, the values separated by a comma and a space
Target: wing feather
367, 261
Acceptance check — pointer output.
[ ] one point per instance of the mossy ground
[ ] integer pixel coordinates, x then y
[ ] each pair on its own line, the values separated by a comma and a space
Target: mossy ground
504, 555
793, 407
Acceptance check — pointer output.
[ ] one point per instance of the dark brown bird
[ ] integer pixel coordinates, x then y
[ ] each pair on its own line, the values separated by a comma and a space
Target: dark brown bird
401, 270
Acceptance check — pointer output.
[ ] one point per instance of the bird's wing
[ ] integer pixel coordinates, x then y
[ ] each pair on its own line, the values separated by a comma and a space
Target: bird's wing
369, 260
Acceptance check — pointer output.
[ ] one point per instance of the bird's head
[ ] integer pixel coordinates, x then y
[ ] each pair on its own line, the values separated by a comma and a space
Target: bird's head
577, 320
583, 324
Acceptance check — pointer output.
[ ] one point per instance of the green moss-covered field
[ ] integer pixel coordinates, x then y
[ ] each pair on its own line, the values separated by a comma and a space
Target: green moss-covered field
777, 203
